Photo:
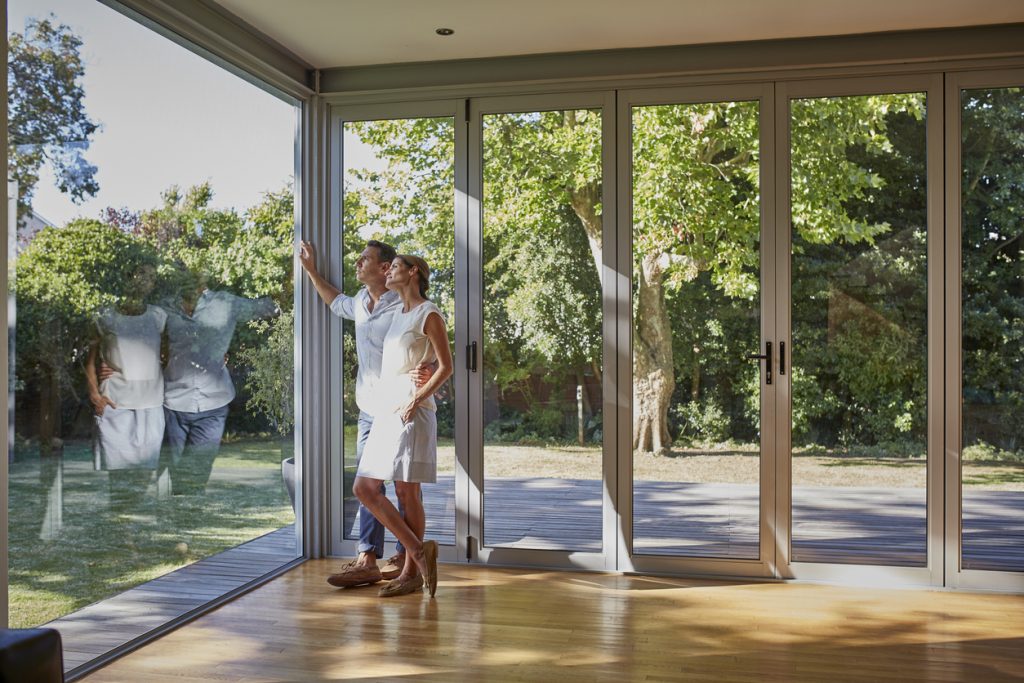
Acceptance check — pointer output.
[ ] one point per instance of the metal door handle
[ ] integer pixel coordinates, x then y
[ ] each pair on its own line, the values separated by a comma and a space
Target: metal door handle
471, 357
767, 358
782, 358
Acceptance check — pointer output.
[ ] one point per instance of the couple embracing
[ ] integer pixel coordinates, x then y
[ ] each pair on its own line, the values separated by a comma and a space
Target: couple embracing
404, 357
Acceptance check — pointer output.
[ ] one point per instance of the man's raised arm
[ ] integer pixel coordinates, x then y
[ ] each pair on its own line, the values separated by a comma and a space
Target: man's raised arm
307, 257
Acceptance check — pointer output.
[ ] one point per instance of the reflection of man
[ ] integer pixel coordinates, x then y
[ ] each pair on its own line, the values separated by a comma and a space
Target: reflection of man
371, 309
197, 385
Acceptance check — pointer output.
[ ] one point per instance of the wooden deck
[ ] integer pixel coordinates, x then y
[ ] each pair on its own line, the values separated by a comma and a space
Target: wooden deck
830, 524
526, 625
109, 624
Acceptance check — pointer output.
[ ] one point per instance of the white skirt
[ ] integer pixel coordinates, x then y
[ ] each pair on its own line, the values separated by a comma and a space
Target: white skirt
401, 452
129, 438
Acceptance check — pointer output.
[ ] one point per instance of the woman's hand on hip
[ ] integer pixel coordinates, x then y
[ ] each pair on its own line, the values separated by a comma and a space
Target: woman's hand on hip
408, 410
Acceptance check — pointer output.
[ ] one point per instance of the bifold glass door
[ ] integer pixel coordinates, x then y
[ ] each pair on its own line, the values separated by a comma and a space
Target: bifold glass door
702, 357
985, 329
397, 180
861, 304
537, 380
723, 330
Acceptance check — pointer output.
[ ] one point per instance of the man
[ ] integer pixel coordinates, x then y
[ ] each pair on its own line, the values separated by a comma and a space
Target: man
197, 384
371, 309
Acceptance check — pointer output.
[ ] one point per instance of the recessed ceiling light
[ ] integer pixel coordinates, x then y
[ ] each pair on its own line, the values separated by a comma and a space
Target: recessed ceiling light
444, 31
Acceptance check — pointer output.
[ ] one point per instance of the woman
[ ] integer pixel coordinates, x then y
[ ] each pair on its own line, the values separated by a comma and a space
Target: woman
128, 402
402, 445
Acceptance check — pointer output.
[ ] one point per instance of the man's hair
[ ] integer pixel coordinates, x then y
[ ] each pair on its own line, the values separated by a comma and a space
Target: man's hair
385, 252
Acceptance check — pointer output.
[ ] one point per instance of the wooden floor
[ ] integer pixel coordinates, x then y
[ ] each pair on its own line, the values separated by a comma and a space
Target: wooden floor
521, 625
849, 525
105, 625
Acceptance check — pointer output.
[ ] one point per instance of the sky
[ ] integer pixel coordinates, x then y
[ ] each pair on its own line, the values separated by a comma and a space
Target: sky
167, 117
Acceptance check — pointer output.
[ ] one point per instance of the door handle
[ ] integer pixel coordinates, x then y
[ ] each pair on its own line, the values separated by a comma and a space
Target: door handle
767, 358
782, 358
471, 357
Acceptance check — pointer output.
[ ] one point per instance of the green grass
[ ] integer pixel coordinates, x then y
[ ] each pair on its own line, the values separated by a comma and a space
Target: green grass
73, 543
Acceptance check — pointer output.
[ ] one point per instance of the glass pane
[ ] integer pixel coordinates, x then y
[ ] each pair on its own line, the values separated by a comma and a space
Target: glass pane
400, 189
152, 343
859, 316
696, 317
542, 359
992, 325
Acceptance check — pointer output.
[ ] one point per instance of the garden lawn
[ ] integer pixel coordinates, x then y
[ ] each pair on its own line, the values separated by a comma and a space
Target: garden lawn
72, 543
727, 464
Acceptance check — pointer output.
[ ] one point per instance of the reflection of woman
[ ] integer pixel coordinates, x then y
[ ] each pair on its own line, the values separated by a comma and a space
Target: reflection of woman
402, 445
129, 402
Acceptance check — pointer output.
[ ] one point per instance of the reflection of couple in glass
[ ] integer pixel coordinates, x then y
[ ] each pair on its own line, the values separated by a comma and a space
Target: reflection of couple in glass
158, 374
399, 331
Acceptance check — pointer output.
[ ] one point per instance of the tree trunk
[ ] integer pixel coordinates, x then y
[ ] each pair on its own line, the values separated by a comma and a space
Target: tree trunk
49, 413
584, 204
653, 378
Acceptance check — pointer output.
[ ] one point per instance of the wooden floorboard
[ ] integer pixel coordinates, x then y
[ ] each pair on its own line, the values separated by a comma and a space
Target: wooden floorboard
526, 625
830, 524
105, 625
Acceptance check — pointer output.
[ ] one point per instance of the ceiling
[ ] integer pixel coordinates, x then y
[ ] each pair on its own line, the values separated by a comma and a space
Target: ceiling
340, 33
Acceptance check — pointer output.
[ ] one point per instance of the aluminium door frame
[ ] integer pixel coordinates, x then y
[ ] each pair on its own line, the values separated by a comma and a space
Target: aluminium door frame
932, 573
476, 543
330, 260
956, 576
629, 561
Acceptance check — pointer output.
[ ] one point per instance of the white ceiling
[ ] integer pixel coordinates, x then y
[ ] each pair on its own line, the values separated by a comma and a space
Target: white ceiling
338, 33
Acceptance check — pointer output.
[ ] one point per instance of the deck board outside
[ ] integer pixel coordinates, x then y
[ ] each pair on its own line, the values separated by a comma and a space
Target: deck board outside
830, 524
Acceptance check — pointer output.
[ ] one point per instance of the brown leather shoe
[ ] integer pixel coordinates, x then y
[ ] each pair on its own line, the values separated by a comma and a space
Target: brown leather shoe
430, 555
393, 567
396, 587
354, 574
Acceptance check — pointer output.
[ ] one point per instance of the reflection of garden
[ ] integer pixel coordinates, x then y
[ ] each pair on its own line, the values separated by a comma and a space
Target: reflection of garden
71, 544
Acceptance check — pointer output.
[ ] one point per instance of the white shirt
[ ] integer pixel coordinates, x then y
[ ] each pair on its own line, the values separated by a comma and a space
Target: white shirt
405, 346
371, 328
130, 346
196, 378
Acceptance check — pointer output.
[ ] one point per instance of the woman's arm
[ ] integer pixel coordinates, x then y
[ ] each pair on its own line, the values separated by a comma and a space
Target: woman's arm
98, 400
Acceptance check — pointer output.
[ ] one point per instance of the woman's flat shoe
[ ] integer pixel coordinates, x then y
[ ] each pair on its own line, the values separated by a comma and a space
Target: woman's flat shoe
396, 587
430, 555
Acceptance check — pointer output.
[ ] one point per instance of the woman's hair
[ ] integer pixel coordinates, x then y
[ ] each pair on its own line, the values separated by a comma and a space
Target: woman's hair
421, 267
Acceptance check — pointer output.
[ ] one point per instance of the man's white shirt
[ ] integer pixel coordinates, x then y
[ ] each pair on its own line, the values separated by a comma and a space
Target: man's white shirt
196, 378
371, 328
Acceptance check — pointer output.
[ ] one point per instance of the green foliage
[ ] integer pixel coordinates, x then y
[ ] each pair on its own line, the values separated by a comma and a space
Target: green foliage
992, 252
61, 279
696, 192
271, 377
65, 275
46, 118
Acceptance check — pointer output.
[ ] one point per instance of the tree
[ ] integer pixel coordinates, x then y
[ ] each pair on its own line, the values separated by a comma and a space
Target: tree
62, 279
696, 210
47, 121
992, 259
